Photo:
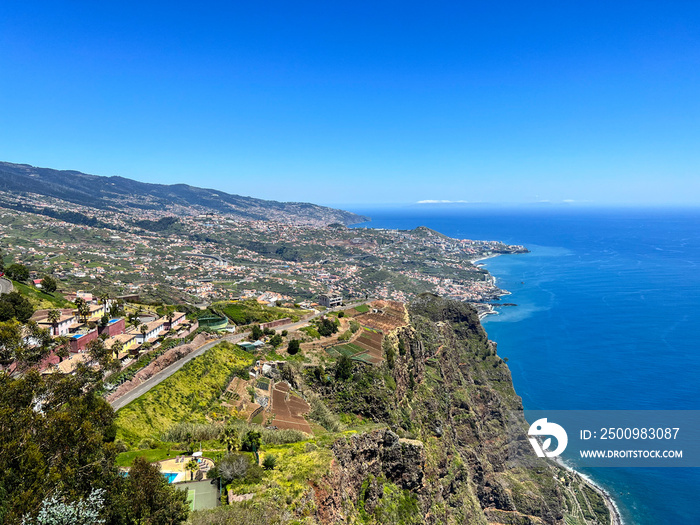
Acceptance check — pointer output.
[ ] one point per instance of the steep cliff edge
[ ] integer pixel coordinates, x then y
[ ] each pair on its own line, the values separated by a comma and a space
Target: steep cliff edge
444, 396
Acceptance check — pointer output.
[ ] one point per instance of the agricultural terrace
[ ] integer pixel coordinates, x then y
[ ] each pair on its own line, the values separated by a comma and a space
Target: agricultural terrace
192, 394
244, 403
384, 316
289, 409
366, 347
377, 319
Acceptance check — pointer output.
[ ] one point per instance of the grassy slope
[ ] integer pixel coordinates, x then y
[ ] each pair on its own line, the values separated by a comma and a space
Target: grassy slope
185, 396
41, 299
247, 312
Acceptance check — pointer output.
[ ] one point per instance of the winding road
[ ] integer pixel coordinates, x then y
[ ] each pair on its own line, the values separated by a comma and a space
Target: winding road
5, 285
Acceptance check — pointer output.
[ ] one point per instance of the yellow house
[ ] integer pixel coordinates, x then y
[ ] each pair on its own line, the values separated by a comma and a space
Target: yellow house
128, 342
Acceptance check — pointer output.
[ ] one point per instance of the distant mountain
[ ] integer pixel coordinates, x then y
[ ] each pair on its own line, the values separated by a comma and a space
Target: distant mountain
118, 193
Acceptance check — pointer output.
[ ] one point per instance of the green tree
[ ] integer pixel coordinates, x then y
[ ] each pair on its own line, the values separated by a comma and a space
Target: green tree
17, 272
230, 438
256, 332
293, 347
117, 348
104, 321
343, 368
192, 467
53, 317
276, 340
146, 497
327, 327
15, 306
49, 284
84, 311
251, 441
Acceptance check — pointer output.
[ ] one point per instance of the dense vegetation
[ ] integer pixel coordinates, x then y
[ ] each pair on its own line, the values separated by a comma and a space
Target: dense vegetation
57, 449
188, 396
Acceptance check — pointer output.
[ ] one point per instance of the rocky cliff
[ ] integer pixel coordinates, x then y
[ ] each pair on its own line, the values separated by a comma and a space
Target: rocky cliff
440, 453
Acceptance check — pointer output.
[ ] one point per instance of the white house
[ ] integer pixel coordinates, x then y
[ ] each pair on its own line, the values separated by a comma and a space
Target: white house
61, 327
153, 330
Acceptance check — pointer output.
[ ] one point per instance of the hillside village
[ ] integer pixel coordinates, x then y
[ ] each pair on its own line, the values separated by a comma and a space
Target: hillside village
208, 257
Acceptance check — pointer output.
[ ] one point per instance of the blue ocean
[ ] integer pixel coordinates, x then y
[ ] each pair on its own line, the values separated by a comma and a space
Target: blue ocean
607, 317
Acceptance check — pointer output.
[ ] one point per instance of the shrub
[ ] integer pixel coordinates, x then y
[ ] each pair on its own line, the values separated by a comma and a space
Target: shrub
193, 431
343, 368
269, 462
233, 466
293, 347
323, 415
251, 441
256, 332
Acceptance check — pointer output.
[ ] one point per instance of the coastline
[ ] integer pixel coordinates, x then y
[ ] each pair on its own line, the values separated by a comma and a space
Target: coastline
615, 516
613, 509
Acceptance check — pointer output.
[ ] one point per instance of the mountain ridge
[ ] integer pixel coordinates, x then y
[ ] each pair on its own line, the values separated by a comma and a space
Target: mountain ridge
117, 192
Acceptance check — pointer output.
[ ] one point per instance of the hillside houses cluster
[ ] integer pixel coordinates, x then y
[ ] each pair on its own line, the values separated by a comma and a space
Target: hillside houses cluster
80, 331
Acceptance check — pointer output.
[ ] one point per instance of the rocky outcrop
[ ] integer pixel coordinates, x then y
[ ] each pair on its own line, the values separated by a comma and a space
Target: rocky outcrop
363, 463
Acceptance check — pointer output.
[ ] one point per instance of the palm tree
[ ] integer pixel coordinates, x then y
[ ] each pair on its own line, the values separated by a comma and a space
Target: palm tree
84, 311
54, 317
192, 466
143, 330
117, 347
230, 439
170, 317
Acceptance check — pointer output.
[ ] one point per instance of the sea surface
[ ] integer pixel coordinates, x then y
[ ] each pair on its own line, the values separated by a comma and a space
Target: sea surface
607, 317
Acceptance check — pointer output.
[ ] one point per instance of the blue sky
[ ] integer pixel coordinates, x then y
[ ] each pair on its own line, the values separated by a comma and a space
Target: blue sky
359, 102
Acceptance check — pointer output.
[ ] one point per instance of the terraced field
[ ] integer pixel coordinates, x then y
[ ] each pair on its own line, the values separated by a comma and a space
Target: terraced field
366, 348
289, 409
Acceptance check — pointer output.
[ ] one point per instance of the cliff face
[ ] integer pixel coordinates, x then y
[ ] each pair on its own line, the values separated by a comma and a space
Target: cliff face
444, 396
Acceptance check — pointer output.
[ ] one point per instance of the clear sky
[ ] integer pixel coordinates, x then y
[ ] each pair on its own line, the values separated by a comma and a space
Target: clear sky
362, 102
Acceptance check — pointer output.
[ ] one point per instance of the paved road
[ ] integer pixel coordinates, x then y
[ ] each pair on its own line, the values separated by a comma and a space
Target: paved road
5, 286
170, 370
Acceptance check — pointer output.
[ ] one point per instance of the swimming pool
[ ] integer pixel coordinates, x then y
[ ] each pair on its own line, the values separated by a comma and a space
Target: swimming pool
170, 476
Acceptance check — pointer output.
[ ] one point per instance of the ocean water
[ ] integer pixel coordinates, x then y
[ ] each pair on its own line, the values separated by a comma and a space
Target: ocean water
607, 317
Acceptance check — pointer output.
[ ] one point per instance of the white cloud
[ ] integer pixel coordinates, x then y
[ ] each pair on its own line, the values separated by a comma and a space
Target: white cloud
433, 201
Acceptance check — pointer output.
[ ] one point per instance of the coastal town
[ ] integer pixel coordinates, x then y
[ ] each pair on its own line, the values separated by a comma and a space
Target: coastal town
203, 258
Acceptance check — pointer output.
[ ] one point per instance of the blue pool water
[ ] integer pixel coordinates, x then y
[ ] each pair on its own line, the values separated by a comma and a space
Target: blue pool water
170, 476
608, 317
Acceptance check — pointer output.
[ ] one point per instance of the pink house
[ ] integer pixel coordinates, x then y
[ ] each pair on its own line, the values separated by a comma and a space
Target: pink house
114, 327
78, 342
